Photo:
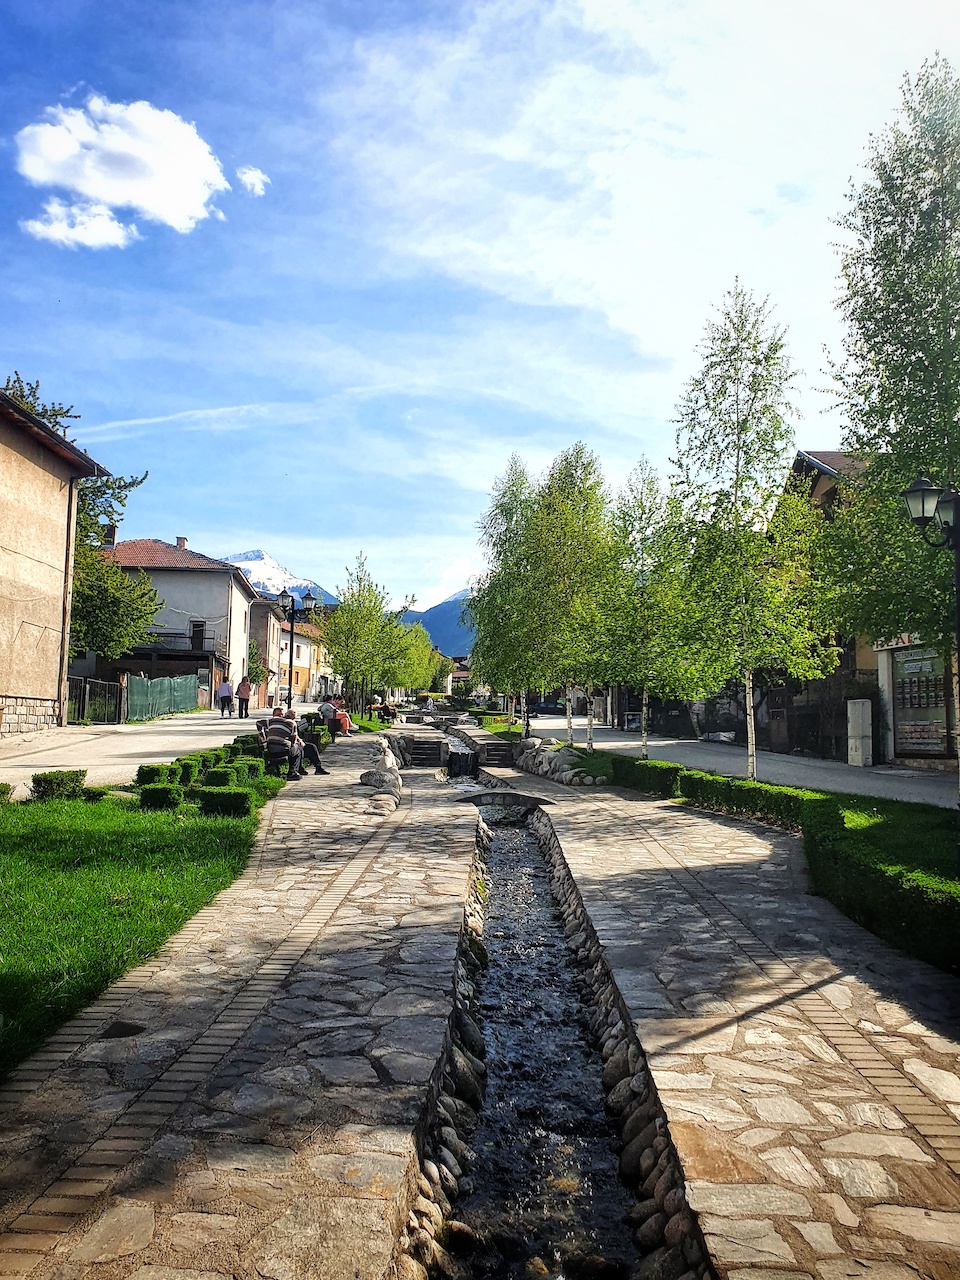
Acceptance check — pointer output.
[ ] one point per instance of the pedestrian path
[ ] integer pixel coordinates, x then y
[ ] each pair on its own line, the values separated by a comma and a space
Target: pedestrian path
810, 1074
245, 1103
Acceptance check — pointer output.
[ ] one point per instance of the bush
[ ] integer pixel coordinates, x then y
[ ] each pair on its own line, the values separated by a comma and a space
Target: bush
221, 776
209, 759
189, 767
254, 766
249, 744
6, 791
230, 802
655, 777
231, 750
148, 774
60, 784
914, 909
161, 795
93, 795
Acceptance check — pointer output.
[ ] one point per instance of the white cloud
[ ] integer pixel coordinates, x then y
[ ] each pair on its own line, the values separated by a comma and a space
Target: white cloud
90, 225
255, 180
112, 156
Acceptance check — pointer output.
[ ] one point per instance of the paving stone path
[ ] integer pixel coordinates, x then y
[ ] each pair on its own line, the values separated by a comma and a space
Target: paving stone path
244, 1105
810, 1074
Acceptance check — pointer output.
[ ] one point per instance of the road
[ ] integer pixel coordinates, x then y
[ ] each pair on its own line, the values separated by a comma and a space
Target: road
111, 754
891, 783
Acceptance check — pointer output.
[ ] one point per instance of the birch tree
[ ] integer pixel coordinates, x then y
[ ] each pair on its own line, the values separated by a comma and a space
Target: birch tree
747, 588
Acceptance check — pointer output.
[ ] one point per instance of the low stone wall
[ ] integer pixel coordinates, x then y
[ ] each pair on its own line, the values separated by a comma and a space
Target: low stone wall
559, 765
27, 715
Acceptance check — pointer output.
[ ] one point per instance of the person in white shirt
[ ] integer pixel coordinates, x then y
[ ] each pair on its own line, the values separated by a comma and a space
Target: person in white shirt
225, 697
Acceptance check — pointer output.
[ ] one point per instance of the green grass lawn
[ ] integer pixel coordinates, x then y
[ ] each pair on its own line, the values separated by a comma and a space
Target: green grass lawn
89, 890
898, 833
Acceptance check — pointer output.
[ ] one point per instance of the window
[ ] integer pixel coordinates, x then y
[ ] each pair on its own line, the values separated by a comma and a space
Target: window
298, 652
296, 677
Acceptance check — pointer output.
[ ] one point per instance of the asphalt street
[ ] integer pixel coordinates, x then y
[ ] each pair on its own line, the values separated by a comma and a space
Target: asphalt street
892, 783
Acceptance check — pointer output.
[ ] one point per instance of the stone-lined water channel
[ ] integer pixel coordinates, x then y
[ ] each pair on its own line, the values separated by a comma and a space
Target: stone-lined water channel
547, 1197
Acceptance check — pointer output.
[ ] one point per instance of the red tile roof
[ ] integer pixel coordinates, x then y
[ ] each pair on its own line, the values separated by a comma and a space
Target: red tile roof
833, 460
151, 553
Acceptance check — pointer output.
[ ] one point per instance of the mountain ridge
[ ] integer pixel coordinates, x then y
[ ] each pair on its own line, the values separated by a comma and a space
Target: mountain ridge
270, 577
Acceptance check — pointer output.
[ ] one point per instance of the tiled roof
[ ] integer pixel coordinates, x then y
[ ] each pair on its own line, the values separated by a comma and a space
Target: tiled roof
151, 553
832, 460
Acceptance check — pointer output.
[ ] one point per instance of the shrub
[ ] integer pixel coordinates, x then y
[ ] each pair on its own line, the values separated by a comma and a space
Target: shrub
230, 802
249, 744
189, 767
655, 777
148, 774
220, 776
915, 910
161, 795
254, 766
209, 759
60, 784
231, 750
93, 795
6, 791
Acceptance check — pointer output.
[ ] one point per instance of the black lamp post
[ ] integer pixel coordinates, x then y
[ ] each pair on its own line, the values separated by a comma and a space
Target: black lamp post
934, 511
288, 603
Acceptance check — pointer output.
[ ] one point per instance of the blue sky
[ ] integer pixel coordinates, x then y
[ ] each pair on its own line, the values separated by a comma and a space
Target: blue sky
321, 267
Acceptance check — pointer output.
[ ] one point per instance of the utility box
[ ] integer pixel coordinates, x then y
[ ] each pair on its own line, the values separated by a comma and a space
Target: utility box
860, 731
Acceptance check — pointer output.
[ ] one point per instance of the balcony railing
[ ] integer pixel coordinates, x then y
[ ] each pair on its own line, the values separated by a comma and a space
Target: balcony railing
192, 641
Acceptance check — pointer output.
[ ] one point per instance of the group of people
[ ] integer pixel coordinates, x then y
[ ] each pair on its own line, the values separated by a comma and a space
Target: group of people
282, 740
225, 698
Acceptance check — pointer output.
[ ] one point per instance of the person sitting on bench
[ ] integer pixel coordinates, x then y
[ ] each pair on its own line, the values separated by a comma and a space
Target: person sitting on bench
282, 743
310, 751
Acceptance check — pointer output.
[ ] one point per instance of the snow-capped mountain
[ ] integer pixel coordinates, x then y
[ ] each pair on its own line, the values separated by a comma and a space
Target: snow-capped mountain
270, 577
444, 627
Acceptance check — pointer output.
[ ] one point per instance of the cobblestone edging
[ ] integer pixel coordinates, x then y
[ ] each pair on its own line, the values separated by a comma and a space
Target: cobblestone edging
664, 1229
27, 715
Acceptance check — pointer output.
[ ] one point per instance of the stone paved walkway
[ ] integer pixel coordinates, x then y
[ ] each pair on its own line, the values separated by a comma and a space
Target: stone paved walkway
810, 1073
244, 1105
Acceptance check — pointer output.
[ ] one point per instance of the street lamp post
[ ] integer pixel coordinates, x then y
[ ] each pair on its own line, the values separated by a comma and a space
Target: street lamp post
288, 603
934, 511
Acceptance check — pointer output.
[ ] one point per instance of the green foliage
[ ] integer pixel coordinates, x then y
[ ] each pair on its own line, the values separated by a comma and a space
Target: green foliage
161, 795
60, 784
149, 774
257, 670
220, 776
249, 744
227, 801
189, 767
93, 795
655, 777
89, 890
232, 750
899, 381
443, 667
56, 415
254, 766
6, 791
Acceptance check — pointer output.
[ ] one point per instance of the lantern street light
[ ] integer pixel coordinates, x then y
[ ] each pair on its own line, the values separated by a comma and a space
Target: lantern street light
288, 603
934, 511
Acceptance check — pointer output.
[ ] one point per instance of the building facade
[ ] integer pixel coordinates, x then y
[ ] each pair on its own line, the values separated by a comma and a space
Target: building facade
204, 624
39, 470
266, 618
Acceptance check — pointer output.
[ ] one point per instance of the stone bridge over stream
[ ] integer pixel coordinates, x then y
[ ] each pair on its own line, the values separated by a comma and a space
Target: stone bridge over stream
276, 1094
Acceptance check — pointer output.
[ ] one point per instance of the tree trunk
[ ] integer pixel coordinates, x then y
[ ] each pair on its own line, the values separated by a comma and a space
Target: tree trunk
524, 713
751, 727
569, 698
644, 719
589, 717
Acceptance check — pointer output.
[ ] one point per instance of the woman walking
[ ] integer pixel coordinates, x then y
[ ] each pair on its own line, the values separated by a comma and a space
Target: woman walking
244, 689
225, 697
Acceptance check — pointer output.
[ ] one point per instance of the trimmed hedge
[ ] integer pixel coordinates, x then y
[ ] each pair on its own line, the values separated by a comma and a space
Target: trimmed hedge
59, 784
161, 795
249, 744
914, 909
189, 767
254, 766
6, 791
230, 802
656, 777
93, 795
231, 750
148, 774
221, 776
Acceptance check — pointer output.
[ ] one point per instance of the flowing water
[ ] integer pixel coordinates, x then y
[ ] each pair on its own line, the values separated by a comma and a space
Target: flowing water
548, 1199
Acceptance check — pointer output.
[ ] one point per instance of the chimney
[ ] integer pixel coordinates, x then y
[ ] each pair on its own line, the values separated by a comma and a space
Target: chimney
181, 544
108, 535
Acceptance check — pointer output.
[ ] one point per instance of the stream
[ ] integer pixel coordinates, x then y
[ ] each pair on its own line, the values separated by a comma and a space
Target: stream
548, 1199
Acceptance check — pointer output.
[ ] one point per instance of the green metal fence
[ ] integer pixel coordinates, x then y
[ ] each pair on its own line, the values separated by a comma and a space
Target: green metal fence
149, 698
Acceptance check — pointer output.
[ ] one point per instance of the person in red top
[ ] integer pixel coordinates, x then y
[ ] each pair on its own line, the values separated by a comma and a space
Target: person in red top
244, 690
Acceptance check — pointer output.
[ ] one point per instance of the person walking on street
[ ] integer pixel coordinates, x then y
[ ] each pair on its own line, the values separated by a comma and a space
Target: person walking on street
244, 689
225, 697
